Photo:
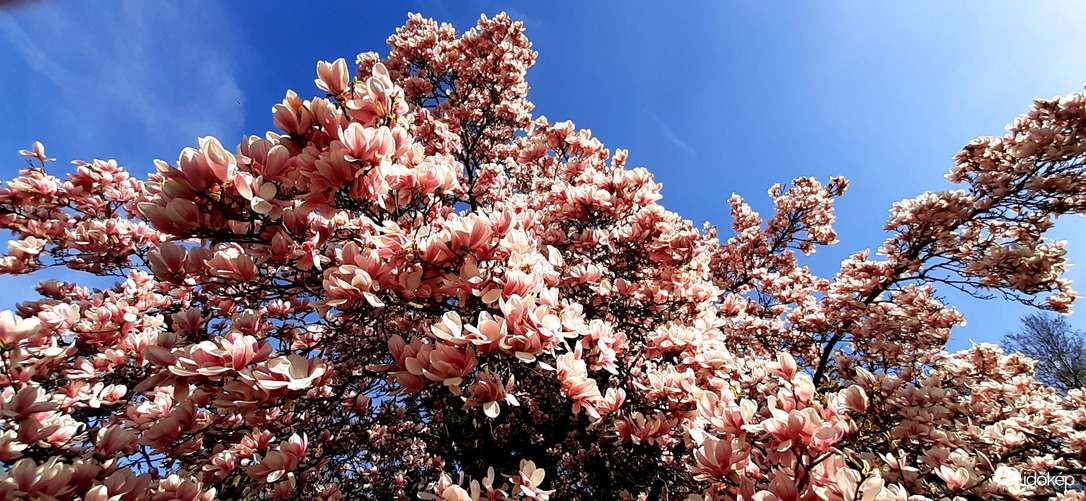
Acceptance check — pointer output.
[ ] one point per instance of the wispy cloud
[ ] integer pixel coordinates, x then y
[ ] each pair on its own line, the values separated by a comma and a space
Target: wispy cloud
534, 23
149, 71
665, 129
31, 53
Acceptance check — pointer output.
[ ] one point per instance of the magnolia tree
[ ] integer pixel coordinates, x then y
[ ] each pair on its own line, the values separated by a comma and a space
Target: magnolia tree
416, 289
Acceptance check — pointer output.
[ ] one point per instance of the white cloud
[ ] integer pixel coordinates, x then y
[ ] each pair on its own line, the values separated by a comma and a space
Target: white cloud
665, 129
30, 52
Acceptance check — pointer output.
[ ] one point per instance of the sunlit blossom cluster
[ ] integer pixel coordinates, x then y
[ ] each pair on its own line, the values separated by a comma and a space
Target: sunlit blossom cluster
416, 289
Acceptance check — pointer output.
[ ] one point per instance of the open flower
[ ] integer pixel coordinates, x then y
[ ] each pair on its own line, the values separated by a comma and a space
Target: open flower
15, 329
232, 352
281, 461
487, 391
291, 373
28, 400
528, 481
720, 458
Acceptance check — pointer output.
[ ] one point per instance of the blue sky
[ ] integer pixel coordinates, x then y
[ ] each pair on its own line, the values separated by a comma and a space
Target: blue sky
714, 97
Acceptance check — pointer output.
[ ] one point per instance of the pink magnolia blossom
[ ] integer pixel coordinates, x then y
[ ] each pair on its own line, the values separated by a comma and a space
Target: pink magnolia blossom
332, 77
487, 392
38, 152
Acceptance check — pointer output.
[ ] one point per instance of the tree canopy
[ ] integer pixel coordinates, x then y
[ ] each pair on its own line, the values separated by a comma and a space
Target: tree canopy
416, 288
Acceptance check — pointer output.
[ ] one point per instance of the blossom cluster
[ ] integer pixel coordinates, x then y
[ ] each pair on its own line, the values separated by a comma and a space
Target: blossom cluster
415, 288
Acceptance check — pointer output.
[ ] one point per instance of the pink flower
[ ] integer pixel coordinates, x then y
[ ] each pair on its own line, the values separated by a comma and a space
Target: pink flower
114, 439
176, 487
52, 479
279, 462
14, 330
177, 216
785, 367
366, 144
793, 428
488, 334
449, 329
855, 398
38, 153
576, 385
527, 482
377, 98
28, 400
956, 478
719, 458
212, 358
221, 163
291, 373
487, 391
332, 77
